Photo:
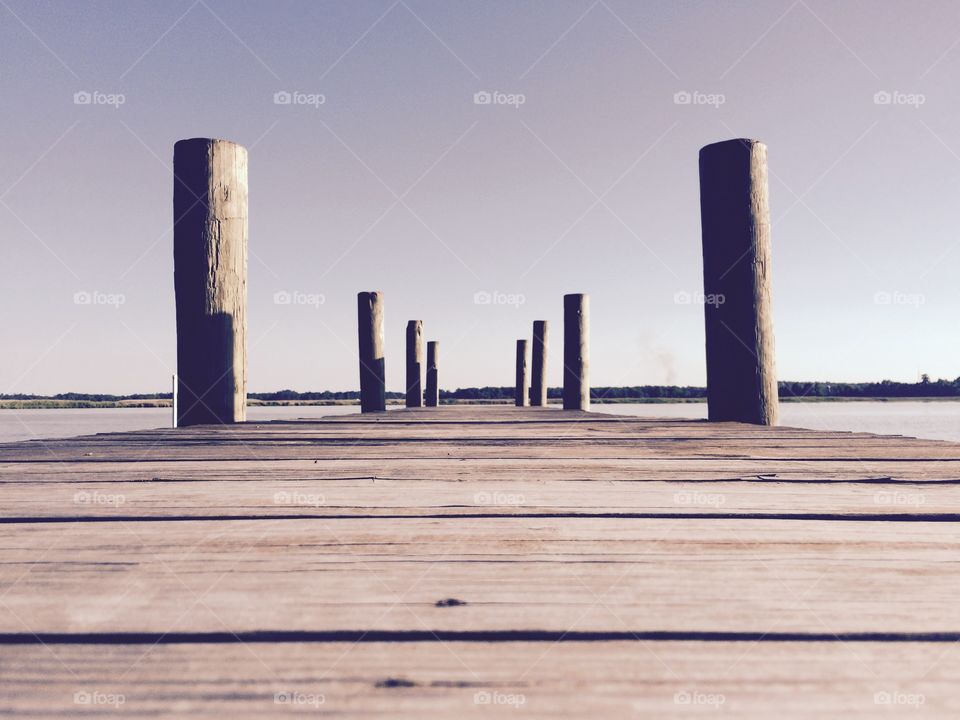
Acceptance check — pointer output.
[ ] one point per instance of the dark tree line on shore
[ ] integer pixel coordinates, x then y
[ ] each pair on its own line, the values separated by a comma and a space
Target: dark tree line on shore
885, 389
598, 393
788, 389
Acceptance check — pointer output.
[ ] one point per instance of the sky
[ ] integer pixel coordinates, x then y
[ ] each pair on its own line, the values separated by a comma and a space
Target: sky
388, 171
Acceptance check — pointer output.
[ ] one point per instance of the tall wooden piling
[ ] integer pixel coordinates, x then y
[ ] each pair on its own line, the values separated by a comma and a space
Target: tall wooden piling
538, 364
432, 398
373, 397
576, 352
210, 279
520, 395
414, 363
735, 221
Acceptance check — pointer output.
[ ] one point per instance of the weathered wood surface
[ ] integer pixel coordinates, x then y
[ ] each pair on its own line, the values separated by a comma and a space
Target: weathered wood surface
521, 390
210, 279
636, 679
737, 274
371, 351
432, 394
576, 352
414, 397
601, 565
538, 363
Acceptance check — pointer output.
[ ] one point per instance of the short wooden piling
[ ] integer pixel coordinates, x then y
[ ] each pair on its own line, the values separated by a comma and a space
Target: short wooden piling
414, 363
538, 364
373, 397
432, 398
520, 395
735, 221
576, 352
210, 280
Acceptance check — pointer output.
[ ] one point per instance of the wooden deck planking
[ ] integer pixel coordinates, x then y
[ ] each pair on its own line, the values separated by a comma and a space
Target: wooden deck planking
554, 574
542, 522
513, 494
638, 679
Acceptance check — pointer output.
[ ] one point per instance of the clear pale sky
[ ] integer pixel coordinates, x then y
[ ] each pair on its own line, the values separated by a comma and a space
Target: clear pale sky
399, 182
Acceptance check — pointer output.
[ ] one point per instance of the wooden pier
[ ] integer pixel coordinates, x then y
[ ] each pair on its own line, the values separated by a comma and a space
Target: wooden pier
461, 561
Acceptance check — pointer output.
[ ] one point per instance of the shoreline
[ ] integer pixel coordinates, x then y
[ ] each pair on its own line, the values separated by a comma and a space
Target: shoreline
141, 404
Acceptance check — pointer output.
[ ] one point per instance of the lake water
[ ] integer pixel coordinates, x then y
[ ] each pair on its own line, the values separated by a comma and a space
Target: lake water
937, 420
934, 420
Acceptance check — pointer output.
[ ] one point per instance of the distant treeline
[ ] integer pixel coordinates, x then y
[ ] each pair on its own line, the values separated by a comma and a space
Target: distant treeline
279, 395
325, 395
598, 393
87, 397
885, 388
788, 389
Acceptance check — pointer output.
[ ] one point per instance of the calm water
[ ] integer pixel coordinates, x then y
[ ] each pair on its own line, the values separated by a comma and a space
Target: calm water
32, 424
935, 420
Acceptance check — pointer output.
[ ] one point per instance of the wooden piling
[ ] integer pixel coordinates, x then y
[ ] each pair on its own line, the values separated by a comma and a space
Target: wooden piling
414, 363
520, 391
576, 352
210, 279
735, 220
538, 364
373, 396
432, 398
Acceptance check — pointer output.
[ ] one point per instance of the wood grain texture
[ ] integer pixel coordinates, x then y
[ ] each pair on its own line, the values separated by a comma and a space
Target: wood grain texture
401, 563
432, 396
738, 308
210, 279
414, 396
638, 679
576, 352
538, 363
371, 351
521, 392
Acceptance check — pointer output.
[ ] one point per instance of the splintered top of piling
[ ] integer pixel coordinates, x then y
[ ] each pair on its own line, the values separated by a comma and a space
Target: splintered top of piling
746, 143
204, 141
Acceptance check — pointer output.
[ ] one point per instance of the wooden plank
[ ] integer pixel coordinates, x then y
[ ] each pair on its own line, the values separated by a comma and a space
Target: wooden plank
547, 450
457, 679
450, 468
514, 494
587, 574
